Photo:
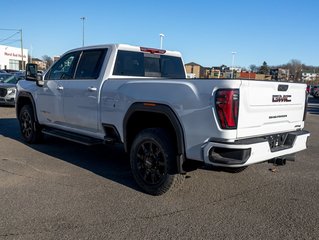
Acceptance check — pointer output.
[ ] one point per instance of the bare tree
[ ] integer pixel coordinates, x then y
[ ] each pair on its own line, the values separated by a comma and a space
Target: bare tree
48, 60
253, 68
295, 68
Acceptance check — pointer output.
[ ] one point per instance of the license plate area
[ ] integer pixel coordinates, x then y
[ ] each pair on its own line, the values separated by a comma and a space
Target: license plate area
280, 141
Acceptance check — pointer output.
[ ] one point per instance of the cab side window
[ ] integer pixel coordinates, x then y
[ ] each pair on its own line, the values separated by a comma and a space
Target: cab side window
64, 68
90, 64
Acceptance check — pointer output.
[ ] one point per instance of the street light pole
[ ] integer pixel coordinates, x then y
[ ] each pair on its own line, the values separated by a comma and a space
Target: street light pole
21, 42
161, 40
82, 18
233, 62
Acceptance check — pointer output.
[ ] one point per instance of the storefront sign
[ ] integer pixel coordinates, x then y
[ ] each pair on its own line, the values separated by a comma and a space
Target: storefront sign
13, 54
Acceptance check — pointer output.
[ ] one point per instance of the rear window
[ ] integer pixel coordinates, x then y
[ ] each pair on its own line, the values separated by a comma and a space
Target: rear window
140, 64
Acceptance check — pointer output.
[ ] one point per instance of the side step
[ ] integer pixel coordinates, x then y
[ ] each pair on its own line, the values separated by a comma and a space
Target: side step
74, 137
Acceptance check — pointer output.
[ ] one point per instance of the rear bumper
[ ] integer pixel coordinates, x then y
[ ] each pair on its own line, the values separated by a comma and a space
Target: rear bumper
249, 151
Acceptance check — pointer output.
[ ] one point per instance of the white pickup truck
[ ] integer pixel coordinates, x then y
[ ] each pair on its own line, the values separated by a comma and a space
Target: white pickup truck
139, 97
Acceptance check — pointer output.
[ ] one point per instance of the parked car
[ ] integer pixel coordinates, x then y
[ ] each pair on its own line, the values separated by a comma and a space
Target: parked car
308, 88
313, 89
316, 93
10, 70
8, 89
20, 75
5, 76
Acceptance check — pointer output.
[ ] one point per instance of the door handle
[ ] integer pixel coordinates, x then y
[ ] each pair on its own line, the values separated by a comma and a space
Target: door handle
60, 88
92, 89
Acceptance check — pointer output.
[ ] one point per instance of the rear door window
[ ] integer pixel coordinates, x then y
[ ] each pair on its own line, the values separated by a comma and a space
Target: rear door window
90, 64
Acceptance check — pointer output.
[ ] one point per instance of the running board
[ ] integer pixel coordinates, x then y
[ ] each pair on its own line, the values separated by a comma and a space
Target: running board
74, 137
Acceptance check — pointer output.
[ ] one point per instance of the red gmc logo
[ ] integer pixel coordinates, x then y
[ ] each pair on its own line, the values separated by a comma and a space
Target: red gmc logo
281, 98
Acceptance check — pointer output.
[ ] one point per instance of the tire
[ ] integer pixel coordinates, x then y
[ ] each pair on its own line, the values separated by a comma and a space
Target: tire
30, 129
153, 161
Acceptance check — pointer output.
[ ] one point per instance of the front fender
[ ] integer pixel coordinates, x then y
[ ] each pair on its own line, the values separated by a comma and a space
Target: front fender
24, 98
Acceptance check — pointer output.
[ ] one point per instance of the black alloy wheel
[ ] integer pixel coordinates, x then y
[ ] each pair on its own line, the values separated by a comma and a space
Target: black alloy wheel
153, 161
30, 130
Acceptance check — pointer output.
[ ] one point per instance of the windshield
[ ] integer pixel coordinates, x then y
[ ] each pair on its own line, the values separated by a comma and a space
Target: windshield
8, 78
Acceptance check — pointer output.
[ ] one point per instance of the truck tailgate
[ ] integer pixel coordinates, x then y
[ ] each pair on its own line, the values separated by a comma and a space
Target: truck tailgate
270, 107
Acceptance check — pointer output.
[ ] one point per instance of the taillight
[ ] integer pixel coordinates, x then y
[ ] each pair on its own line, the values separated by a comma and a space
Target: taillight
227, 106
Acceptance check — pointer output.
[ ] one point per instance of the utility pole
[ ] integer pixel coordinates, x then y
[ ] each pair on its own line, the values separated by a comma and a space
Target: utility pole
82, 18
21, 42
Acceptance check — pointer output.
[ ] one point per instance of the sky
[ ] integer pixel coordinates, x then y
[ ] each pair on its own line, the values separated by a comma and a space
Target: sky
204, 31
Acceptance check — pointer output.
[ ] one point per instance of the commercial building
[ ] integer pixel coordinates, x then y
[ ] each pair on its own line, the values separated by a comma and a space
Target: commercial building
42, 65
11, 58
195, 70
310, 76
279, 74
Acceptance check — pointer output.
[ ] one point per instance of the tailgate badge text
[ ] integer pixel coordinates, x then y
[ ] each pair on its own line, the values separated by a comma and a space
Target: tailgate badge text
281, 98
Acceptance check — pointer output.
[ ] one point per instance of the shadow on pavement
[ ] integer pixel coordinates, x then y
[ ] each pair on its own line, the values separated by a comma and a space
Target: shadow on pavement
110, 162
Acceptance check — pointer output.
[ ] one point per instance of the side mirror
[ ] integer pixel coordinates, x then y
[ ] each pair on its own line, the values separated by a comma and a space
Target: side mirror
32, 74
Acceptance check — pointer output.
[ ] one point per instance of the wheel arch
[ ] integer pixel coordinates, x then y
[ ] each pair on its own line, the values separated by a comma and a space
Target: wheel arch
147, 115
23, 99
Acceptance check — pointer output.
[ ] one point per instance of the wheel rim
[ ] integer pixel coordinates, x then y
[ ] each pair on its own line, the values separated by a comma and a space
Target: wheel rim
151, 162
26, 124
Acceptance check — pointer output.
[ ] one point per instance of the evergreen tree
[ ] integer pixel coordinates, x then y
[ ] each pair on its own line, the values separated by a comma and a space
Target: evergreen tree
264, 69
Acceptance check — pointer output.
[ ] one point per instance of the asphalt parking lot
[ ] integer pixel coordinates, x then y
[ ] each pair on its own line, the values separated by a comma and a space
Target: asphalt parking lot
63, 190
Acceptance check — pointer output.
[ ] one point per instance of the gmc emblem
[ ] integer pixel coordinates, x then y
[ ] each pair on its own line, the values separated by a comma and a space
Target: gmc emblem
281, 98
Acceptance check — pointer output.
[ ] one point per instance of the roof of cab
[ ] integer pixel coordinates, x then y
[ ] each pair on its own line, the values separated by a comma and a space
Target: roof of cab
125, 47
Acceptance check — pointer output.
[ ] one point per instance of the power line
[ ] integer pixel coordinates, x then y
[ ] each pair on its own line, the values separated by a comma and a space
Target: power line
2, 40
13, 41
21, 41
8, 29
